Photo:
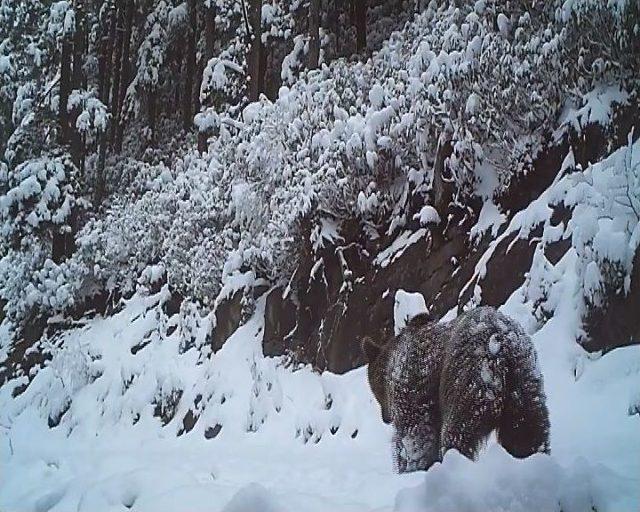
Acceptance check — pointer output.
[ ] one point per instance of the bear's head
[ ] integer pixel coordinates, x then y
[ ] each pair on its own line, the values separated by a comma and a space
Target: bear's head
376, 357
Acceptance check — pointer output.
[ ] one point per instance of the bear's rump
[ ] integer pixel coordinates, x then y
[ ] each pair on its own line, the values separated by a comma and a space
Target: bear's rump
473, 373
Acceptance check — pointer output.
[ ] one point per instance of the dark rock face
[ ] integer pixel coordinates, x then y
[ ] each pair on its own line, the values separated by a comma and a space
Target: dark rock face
280, 320
341, 294
25, 355
619, 321
212, 432
229, 315
188, 422
350, 296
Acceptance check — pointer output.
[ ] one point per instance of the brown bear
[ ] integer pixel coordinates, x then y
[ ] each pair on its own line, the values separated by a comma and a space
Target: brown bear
449, 385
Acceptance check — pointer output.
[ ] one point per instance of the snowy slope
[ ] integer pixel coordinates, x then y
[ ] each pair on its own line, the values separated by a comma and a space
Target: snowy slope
290, 439
106, 464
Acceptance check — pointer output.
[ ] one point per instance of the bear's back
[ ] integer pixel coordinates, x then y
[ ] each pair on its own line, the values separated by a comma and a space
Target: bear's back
481, 347
486, 331
480, 332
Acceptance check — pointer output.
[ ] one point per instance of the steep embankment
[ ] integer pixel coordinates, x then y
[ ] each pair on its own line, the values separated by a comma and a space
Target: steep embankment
346, 290
131, 412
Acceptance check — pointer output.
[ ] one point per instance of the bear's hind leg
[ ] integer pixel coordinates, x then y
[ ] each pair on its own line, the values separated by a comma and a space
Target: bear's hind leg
472, 413
466, 432
524, 425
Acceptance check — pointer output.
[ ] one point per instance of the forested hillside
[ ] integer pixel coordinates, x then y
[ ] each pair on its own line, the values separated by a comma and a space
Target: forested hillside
205, 205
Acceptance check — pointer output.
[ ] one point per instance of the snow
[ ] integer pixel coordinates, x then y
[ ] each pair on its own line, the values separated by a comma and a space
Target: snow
407, 305
292, 61
284, 429
473, 104
152, 274
504, 26
494, 344
293, 439
376, 96
399, 245
61, 19
488, 181
6, 67
328, 231
214, 76
490, 218
178, 15
40, 186
597, 107
500, 482
427, 215
253, 497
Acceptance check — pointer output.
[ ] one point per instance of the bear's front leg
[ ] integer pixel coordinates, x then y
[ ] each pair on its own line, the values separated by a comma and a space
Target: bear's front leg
416, 448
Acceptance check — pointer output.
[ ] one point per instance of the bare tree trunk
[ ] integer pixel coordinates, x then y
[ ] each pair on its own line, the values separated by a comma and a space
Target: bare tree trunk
360, 15
106, 55
115, 85
210, 30
99, 189
255, 54
125, 71
65, 90
267, 86
334, 25
210, 38
152, 104
177, 55
314, 34
187, 98
79, 46
58, 242
442, 189
78, 81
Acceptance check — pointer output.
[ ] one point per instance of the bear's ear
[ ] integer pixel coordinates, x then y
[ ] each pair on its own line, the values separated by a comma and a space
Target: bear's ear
370, 349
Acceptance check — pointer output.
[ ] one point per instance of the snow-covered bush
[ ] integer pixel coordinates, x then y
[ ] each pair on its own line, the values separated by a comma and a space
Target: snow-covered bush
356, 140
605, 226
38, 205
31, 282
92, 116
37, 196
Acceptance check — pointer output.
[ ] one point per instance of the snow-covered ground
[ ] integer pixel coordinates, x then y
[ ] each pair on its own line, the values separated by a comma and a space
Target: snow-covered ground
96, 460
107, 464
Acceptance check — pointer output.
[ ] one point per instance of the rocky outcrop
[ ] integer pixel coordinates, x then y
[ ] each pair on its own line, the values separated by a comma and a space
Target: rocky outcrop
280, 321
618, 323
229, 315
345, 292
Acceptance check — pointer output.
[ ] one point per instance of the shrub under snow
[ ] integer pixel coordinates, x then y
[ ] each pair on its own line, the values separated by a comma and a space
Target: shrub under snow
358, 139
